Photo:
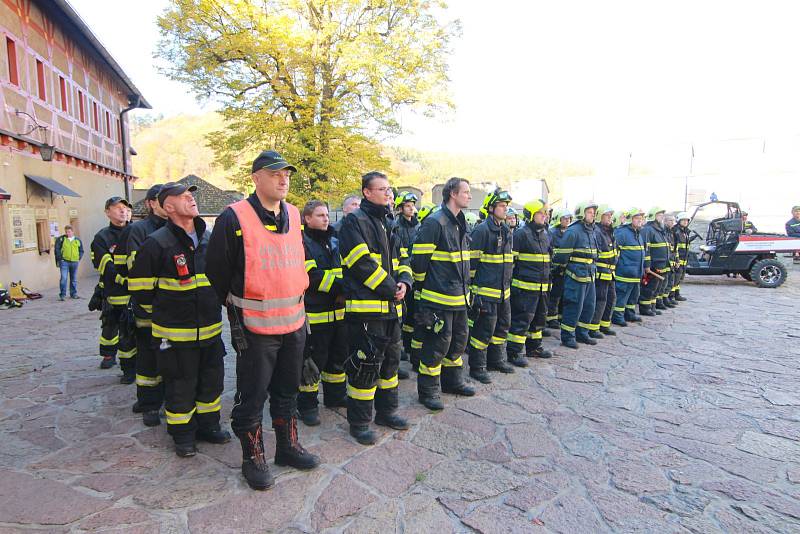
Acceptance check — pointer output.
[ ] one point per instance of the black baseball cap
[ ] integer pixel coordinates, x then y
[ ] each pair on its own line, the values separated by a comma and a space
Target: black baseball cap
171, 189
116, 200
152, 193
269, 159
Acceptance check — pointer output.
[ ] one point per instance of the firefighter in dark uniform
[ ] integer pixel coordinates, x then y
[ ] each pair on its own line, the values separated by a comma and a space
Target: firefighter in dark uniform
578, 252
186, 320
630, 268
793, 229
530, 285
605, 292
491, 265
114, 341
406, 226
149, 384
656, 260
327, 343
747, 226
256, 265
440, 263
559, 224
417, 335
681, 236
666, 296
373, 310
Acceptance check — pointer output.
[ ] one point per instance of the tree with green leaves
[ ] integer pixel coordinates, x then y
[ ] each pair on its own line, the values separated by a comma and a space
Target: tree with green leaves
317, 80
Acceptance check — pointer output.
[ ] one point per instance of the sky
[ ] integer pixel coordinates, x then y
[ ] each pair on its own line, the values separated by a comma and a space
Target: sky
585, 80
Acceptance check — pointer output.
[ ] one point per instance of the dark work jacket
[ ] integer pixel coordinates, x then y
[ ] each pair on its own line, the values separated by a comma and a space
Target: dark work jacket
131, 241
186, 310
440, 261
107, 261
371, 264
226, 249
578, 251
793, 227
491, 260
406, 231
656, 245
324, 268
606, 252
532, 258
681, 238
630, 265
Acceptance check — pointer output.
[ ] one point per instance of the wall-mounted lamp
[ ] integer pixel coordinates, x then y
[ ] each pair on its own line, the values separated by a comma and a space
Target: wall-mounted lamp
46, 150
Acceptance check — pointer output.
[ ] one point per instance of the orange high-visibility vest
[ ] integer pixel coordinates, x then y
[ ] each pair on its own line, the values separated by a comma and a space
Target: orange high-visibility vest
275, 277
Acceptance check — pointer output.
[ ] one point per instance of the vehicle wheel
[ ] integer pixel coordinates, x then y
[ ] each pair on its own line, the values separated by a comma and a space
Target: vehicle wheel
768, 273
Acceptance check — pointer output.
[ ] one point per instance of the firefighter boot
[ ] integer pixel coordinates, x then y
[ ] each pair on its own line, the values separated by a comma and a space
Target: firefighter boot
481, 375
660, 305
217, 436
453, 382
363, 434
477, 365
534, 349
606, 330
310, 417
392, 420
497, 359
679, 297
554, 324
108, 362
596, 334
428, 391
254, 464
288, 450
151, 418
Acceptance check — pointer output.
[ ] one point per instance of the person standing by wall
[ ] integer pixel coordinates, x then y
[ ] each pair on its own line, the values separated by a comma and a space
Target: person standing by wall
69, 251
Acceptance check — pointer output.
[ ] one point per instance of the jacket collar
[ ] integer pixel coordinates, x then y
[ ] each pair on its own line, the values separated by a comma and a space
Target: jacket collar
411, 224
375, 210
155, 219
459, 220
183, 237
281, 220
320, 236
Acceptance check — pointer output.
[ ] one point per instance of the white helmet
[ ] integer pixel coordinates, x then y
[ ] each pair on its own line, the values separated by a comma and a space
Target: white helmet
682, 215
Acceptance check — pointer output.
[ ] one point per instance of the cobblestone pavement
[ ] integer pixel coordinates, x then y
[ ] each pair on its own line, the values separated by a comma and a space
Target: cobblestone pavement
689, 423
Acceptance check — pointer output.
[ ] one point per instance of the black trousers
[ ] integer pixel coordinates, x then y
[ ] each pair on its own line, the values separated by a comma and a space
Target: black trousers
193, 383
149, 383
269, 367
489, 322
528, 317
382, 392
442, 351
327, 346
408, 322
117, 339
555, 306
605, 298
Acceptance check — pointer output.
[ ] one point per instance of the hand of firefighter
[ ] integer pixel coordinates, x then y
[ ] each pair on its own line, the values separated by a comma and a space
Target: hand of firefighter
401, 292
310, 374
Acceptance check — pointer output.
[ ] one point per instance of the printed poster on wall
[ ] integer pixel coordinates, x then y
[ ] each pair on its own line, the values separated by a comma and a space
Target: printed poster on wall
23, 228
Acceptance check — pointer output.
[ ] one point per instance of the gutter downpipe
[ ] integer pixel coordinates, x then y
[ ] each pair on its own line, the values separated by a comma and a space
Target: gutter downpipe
133, 103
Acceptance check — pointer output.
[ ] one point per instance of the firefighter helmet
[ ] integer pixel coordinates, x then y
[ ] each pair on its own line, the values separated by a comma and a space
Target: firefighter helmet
630, 213
402, 198
555, 220
533, 207
426, 210
498, 195
581, 208
683, 215
655, 210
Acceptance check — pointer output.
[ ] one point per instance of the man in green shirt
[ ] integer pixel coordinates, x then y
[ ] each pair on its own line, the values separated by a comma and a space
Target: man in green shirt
69, 251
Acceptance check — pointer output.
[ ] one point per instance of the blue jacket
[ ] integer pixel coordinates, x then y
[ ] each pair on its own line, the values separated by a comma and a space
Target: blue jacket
793, 227
606, 253
657, 246
556, 236
578, 251
630, 265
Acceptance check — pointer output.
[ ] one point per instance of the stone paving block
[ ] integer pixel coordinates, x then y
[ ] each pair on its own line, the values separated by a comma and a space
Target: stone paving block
341, 498
471, 480
393, 467
29, 501
487, 519
422, 514
254, 511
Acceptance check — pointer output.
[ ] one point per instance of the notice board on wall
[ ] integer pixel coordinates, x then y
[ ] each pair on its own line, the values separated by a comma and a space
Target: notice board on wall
23, 228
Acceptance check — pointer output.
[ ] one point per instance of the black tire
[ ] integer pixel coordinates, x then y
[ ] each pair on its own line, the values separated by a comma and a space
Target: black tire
768, 273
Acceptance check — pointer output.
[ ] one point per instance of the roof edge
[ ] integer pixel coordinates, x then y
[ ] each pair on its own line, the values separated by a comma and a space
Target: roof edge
75, 19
